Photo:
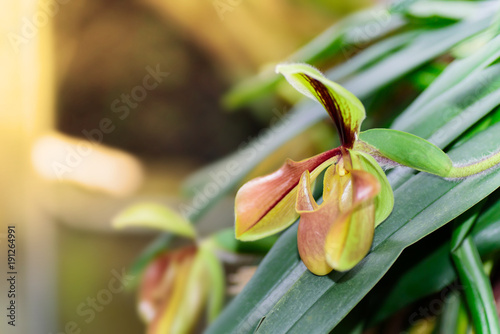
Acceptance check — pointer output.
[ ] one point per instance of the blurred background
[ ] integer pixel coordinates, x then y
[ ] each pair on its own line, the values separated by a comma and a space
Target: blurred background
108, 102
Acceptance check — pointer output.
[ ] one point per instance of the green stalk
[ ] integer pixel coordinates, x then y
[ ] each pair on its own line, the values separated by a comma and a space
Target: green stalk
475, 168
476, 284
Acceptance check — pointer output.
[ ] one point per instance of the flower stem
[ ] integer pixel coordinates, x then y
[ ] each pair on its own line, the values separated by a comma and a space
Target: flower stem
474, 168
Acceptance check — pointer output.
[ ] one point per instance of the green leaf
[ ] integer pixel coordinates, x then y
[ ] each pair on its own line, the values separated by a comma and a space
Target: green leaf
477, 288
154, 216
274, 276
369, 56
452, 78
416, 283
340, 38
425, 47
463, 105
446, 9
492, 118
407, 150
476, 283
293, 300
335, 40
401, 6
352, 324
345, 34
463, 226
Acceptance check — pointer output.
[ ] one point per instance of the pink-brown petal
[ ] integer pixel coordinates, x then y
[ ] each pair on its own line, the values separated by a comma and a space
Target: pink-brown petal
158, 284
345, 217
266, 205
313, 228
168, 310
154, 275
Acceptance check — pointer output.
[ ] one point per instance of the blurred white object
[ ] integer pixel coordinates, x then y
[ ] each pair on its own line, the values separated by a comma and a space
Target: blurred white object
86, 163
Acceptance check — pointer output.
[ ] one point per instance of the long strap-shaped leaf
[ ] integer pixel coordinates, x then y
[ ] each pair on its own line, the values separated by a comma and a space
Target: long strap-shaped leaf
453, 75
371, 55
462, 105
476, 283
346, 36
423, 48
296, 301
415, 283
336, 39
477, 287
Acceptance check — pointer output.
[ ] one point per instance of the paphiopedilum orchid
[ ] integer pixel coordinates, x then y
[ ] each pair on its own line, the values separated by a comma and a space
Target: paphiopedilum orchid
337, 233
173, 291
178, 283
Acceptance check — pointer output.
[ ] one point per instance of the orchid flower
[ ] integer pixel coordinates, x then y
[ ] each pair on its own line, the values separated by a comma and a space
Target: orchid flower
178, 283
337, 233
176, 287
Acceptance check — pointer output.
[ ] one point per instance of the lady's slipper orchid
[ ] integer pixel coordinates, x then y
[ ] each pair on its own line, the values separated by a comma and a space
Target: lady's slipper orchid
176, 287
337, 233
164, 292
178, 284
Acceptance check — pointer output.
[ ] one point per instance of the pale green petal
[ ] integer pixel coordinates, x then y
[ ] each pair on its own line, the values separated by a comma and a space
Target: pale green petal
155, 216
407, 150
